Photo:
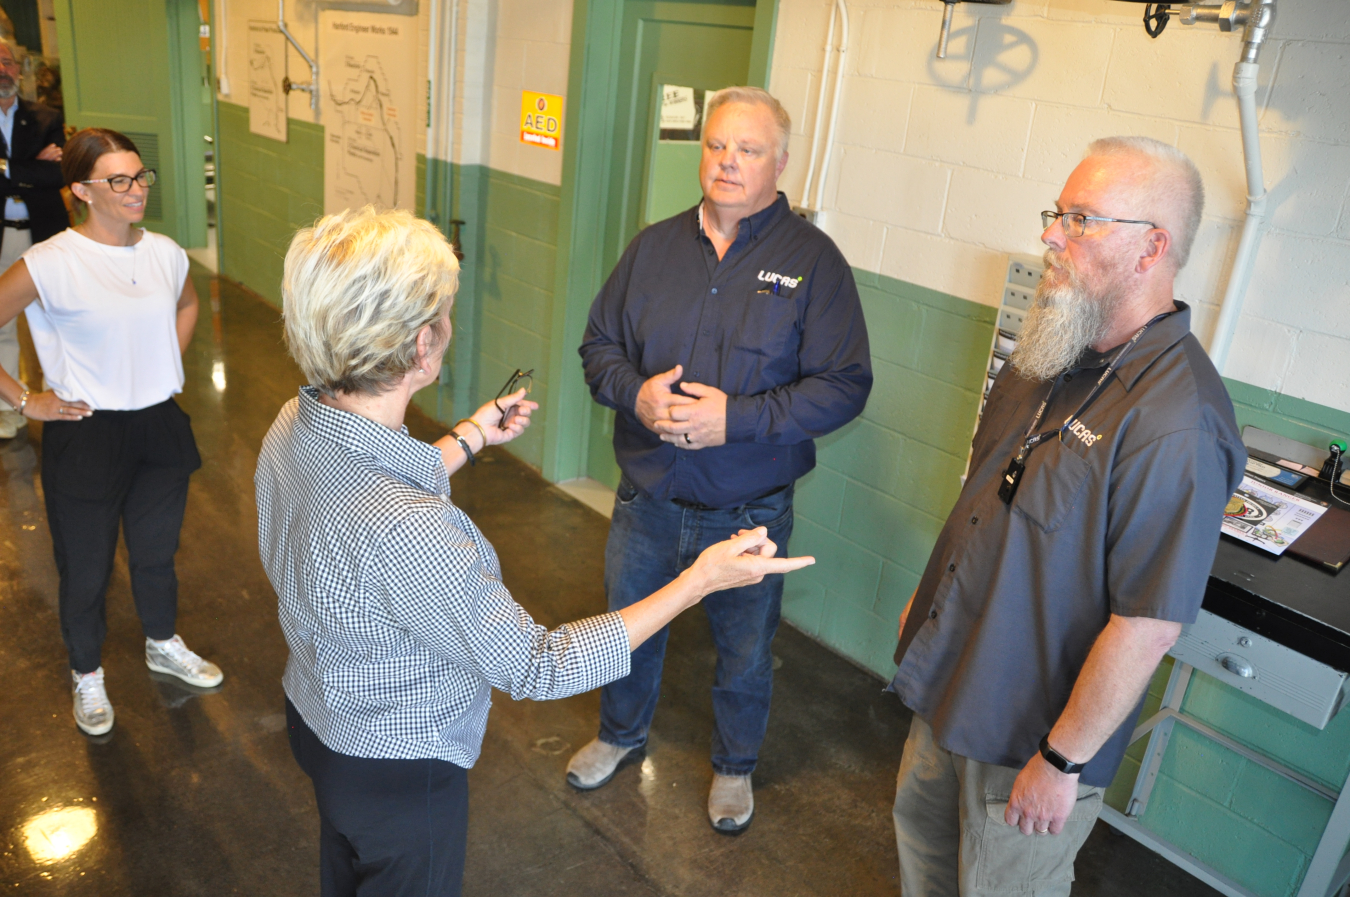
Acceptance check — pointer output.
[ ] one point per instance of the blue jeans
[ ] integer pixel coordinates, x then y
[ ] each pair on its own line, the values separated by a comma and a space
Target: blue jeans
650, 543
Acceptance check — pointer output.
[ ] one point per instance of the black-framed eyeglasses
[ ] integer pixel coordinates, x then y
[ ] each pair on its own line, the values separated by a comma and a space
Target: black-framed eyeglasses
121, 183
511, 386
1075, 224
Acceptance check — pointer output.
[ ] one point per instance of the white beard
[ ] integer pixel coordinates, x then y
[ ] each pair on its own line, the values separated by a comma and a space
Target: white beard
1062, 323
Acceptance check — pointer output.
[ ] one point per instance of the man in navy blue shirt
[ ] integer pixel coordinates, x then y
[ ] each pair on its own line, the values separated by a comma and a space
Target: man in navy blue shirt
727, 338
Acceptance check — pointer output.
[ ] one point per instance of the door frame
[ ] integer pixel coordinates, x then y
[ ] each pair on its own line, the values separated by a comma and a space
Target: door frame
592, 89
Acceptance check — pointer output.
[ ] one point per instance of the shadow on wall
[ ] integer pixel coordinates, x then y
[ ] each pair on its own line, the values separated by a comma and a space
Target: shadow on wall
1010, 62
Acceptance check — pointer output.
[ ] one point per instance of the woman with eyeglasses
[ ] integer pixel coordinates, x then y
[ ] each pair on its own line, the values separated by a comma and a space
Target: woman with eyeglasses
390, 598
111, 309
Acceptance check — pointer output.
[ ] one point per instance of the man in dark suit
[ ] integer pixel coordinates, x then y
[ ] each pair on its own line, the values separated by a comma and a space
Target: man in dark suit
31, 137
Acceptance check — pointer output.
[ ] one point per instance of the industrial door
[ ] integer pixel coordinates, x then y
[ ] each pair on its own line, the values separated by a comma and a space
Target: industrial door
698, 47
137, 67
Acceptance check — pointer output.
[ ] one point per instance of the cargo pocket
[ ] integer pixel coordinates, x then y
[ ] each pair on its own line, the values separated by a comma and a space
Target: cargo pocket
1011, 861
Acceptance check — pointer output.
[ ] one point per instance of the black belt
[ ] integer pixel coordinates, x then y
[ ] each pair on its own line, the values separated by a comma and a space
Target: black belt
17, 225
699, 506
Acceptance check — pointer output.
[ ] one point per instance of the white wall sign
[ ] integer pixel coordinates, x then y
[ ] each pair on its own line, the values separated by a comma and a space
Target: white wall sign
266, 69
371, 111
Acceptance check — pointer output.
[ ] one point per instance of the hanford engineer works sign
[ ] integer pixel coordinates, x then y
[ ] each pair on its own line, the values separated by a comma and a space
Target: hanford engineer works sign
541, 119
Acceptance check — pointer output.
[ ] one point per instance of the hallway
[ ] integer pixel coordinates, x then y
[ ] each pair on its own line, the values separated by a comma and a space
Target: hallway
195, 793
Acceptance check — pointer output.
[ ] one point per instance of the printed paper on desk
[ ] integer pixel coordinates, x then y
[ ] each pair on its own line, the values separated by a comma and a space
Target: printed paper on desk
1268, 518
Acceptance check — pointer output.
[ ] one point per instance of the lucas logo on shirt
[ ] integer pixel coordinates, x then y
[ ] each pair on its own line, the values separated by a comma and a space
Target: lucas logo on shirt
770, 277
1086, 436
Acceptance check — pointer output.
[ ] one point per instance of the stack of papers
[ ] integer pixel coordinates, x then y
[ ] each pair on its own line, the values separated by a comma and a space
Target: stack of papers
1269, 518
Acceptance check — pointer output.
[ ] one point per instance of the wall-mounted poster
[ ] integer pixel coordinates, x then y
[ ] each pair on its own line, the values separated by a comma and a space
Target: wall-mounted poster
681, 113
541, 119
266, 71
369, 84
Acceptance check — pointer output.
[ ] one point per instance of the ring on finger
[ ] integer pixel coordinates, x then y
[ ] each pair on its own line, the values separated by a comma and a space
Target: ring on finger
1043, 831
687, 439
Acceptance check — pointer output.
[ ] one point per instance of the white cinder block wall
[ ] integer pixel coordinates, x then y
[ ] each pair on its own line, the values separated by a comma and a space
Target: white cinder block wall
941, 166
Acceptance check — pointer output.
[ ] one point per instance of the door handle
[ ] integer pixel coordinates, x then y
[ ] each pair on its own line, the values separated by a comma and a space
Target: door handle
1238, 666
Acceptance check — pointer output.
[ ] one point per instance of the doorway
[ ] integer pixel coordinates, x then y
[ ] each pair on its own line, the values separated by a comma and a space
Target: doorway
162, 98
655, 49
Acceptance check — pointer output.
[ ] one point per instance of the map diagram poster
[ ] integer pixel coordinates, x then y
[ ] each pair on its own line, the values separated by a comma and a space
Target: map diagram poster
369, 83
266, 69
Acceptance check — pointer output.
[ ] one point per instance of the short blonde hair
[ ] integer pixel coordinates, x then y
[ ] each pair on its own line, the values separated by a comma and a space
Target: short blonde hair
357, 288
1174, 196
754, 96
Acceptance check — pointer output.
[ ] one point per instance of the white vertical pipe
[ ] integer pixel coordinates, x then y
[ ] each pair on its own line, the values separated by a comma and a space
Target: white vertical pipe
820, 109
1244, 85
433, 79
222, 54
834, 103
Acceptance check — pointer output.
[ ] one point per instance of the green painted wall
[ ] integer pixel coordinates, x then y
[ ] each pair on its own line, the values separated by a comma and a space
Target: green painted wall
505, 305
871, 510
266, 191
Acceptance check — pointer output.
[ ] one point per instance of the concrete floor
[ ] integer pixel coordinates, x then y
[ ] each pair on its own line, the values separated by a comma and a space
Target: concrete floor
196, 793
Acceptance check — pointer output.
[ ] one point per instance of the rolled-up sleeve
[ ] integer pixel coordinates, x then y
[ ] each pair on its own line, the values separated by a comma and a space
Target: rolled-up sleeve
437, 584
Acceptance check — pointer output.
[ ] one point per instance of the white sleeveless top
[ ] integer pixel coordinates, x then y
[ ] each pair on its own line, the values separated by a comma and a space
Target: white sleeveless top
104, 322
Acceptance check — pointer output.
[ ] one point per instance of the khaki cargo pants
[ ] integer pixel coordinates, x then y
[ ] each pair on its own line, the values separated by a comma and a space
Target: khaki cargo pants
951, 835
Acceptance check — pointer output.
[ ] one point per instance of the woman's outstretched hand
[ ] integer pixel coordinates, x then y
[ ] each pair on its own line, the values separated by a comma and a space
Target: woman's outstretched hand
499, 427
48, 406
742, 560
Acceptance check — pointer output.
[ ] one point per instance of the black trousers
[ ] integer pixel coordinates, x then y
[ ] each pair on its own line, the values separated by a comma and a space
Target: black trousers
387, 828
127, 468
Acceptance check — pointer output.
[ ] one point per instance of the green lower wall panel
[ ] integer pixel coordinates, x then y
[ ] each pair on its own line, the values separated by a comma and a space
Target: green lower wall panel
267, 191
883, 485
505, 306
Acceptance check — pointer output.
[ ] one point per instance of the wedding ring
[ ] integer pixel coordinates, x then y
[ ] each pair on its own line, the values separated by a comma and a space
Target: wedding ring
687, 439
1043, 831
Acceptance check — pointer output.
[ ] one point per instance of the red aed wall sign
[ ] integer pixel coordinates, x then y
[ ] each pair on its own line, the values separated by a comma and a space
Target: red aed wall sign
541, 119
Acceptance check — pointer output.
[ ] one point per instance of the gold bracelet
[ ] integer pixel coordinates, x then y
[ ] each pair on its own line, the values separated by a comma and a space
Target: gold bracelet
482, 432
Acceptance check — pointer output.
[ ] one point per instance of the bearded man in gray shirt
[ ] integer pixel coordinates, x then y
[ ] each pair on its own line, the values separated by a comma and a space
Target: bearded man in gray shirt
1081, 543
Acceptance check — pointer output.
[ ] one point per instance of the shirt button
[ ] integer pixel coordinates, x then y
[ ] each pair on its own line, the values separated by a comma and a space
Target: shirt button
974, 520
714, 289
951, 568
1068, 377
932, 615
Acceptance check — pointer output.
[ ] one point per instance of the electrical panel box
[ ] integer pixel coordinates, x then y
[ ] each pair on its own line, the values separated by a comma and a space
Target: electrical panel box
1019, 290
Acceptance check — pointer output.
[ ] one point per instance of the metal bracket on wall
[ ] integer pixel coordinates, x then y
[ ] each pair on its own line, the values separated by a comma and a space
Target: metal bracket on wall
287, 85
1327, 872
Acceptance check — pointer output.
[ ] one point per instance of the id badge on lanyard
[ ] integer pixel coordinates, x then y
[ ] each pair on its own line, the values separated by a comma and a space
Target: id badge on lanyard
1017, 467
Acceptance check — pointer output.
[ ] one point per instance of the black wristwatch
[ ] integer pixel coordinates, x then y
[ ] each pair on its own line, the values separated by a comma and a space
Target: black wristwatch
1058, 760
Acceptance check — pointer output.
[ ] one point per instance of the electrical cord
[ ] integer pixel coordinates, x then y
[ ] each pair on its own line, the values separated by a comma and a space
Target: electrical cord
1336, 456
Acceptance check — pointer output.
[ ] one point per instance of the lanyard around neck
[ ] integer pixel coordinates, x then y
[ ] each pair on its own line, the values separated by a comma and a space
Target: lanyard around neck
1030, 441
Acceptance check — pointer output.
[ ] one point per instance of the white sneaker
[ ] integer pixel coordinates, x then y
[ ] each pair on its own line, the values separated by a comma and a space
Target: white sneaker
93, 712
177, 659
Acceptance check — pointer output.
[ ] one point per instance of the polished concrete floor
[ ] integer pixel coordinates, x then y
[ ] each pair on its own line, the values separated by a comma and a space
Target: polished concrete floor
195, 793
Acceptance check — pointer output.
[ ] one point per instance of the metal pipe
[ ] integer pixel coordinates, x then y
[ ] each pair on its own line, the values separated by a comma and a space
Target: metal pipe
820, 111
313, 86
834, 103
433, 77
948, 7
1244, 86
222, 57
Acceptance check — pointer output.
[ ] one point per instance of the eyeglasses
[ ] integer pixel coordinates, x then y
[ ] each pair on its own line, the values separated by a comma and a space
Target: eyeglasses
511, 386
1074, 224
121, 183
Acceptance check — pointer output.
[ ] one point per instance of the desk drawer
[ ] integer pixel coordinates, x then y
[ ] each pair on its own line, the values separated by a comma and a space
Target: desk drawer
1285, 679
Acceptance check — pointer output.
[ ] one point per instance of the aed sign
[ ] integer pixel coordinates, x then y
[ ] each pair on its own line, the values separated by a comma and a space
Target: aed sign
541, 119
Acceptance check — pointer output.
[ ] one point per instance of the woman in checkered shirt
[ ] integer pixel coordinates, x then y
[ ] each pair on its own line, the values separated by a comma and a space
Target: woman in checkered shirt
390, 598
